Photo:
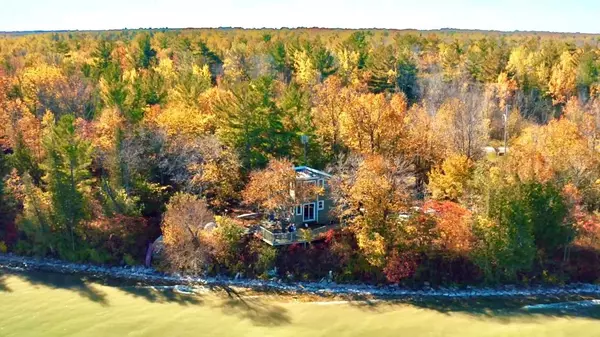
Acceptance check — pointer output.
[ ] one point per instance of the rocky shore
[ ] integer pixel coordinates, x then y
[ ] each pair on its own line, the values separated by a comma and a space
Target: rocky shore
149, 276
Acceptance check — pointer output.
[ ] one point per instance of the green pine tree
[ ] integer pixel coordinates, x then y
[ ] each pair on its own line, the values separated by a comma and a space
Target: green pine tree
252, 122
146, 54
393, 72
67, 176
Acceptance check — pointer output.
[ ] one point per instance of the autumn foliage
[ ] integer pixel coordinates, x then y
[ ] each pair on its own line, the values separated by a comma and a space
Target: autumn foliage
453, 226
456, 157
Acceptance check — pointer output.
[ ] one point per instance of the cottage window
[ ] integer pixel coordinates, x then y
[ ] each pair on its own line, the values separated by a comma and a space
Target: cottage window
309, 212
298, 210
321, 204
321, 183
310, 182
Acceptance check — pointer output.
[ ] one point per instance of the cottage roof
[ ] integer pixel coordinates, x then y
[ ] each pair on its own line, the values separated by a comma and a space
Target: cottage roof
308, 173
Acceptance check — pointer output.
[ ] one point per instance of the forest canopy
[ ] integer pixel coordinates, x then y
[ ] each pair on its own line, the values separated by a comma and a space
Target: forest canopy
104, 135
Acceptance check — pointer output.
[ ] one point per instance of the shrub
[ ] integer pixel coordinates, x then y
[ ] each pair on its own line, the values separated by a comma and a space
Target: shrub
227, 244
583, 265
129, 260
120, 235
259, 258
400, 266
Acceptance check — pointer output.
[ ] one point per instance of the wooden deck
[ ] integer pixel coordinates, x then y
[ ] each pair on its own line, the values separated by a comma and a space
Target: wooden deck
299, 236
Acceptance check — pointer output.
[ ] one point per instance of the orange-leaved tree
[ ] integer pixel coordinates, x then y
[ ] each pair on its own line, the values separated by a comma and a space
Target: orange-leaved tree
276, 189
453, 227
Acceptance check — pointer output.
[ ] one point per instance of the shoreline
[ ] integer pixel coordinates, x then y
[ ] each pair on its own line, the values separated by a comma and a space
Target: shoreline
149, 276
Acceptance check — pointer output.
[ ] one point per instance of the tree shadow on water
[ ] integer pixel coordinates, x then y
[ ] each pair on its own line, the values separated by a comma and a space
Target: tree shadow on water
505, 310
508, 309
162, 295
259, 312
3, 286
76, 283
367, 303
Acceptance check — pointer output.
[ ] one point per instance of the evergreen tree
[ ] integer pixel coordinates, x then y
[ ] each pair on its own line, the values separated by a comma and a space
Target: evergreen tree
383, 71
359, 43
103, 56
146, 54
324, 62
113, 90
281, 61
393, 72
406, 78
252, 122
295, 104
214, 62
24, 161
67, 176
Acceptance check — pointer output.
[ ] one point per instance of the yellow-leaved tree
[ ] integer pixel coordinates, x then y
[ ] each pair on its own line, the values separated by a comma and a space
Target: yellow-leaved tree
449, 180
107, 128
557, 150
586, 117
41, 85
370, 194
521, 68
373, 124
306, 73
348, 66
451, 59
331, 99
422, 144
563, 81
190, 120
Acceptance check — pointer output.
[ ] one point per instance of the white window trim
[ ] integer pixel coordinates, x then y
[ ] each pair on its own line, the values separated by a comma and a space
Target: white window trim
314, 218
321, 204
321, 183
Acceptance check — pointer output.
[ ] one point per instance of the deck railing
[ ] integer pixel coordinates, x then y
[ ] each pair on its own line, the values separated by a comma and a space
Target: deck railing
288, 238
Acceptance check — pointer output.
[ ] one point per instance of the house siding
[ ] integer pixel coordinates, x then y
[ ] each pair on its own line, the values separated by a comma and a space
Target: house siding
323, 217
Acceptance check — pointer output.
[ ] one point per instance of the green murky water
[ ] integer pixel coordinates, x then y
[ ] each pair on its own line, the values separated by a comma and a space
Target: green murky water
35, 304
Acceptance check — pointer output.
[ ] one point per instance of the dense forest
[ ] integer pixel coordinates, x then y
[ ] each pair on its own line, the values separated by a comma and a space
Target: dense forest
111, 139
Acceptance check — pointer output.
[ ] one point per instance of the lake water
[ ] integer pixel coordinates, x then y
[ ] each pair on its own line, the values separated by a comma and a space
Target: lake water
42, 304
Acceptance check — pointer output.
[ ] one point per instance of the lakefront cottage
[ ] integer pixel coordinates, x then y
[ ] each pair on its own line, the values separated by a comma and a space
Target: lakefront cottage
308, 220
318, 211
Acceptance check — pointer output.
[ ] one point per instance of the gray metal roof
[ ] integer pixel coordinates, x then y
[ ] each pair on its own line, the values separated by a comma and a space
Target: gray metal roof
305, 172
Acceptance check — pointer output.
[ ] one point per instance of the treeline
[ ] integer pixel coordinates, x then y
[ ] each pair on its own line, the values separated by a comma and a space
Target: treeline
111, 139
